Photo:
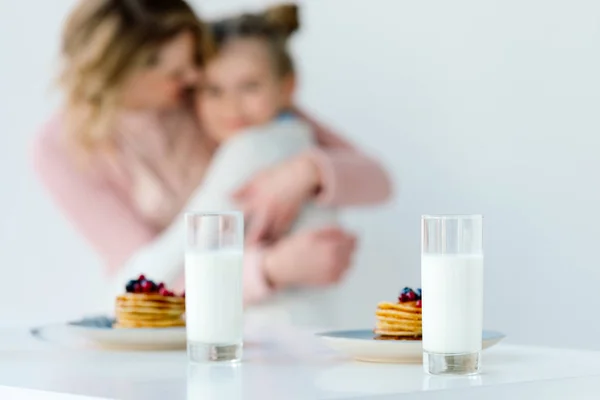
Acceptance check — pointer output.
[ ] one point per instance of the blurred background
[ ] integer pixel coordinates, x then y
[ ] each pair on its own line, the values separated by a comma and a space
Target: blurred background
474, 106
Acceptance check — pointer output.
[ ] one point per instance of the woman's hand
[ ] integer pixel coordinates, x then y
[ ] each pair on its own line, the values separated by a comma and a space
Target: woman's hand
272, 200
311, 258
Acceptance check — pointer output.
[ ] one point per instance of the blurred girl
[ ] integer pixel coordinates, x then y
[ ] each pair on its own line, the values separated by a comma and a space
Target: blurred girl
245, 103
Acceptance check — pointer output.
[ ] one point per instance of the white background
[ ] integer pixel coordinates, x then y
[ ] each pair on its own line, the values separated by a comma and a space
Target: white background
474, 106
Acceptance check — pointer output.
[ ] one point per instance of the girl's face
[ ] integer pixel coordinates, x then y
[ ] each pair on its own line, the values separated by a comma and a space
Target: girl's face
241, 89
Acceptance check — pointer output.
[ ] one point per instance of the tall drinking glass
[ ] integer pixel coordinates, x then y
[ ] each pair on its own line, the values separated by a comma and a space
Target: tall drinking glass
213, 286
452, 293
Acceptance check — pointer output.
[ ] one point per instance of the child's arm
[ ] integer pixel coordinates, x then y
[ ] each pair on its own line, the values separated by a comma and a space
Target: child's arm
333, 173
235, 162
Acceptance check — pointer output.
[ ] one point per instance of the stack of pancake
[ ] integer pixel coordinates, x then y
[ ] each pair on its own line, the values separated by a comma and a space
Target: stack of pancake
398, 321
149, 310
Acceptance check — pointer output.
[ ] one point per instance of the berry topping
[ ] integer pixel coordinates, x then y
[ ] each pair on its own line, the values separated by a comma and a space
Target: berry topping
411, 296
129, 288
419, 303
143, 285
147, 286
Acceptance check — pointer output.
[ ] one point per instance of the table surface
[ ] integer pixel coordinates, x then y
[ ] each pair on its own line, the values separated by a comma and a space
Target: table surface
282, 363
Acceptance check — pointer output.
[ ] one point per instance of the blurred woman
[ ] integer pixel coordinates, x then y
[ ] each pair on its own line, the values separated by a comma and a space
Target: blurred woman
125, 153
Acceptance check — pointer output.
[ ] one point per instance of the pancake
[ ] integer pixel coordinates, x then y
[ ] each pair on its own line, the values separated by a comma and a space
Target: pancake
137, 298
165, 323
149, 310
390, 336
395, 333
151, 307
398, 321
403, 325
407, 308
146, 316
398, 315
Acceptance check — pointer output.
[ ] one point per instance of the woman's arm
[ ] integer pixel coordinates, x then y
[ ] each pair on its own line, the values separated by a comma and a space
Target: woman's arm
346, 176
93, 206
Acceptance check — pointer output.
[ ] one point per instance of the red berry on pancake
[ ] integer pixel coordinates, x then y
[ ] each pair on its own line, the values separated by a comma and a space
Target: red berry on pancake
147, 286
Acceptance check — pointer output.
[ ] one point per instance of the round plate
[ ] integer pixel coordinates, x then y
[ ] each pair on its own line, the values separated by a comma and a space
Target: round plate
99, 331
361, 345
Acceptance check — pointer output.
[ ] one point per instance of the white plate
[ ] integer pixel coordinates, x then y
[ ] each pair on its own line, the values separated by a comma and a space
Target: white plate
361, 345
100, 332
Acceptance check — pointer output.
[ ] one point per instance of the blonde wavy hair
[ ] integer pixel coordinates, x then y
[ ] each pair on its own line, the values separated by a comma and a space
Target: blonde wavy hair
103, 43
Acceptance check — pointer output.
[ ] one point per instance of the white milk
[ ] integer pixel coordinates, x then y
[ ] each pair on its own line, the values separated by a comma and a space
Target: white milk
213, 296
452, 303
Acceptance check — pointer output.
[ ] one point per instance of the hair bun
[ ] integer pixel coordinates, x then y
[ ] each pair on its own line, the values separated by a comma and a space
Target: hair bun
284, 17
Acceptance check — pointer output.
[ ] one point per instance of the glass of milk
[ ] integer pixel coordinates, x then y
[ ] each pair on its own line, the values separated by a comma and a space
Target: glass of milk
213, 286
452, 293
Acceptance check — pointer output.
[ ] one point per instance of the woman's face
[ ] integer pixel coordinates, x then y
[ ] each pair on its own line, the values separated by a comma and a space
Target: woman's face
161, 86
241, 89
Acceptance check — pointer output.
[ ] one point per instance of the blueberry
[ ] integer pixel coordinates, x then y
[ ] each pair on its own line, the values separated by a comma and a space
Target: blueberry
419, 295
129, 288
406, 290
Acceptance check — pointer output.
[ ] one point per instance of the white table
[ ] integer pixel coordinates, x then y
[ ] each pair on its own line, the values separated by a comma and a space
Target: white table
288, 364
